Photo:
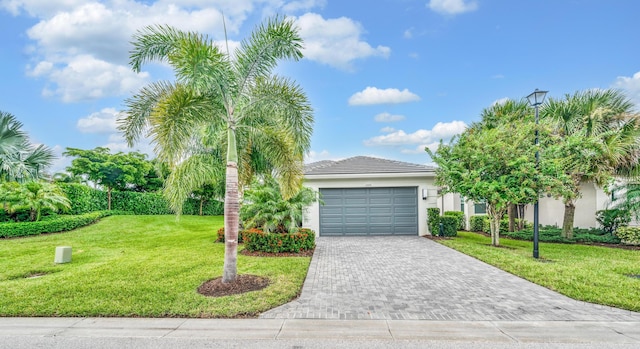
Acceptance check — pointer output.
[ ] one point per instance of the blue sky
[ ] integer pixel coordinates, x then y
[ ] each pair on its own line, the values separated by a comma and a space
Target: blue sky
385, 77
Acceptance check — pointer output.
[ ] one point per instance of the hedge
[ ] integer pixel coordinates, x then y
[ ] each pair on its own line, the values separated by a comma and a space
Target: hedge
257, 240
459, 216
52, 225
629, 235
433, 220
85, 199
449, 225
476, 223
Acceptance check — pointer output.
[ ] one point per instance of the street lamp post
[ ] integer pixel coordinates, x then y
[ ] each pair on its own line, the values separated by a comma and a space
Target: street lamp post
535, 99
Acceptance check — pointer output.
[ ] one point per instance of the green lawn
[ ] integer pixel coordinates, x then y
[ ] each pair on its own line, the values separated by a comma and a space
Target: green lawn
588, 273
136, 266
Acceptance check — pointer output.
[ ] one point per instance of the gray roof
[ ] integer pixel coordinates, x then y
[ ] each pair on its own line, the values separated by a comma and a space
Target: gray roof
364, 165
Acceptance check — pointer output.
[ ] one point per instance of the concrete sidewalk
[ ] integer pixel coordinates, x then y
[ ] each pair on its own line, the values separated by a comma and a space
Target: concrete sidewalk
284, 330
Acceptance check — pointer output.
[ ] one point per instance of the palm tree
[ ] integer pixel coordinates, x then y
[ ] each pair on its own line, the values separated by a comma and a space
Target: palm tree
600, 136
222, 109
41, 195
19, 159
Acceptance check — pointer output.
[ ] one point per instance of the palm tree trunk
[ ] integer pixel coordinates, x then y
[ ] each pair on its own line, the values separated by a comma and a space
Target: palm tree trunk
567, 223
201, 204
231, 211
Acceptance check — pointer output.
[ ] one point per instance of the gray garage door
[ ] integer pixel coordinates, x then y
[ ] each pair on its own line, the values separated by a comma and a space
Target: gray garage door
369, 211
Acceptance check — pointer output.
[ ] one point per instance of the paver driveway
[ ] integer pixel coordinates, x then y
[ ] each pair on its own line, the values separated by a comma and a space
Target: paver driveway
416, 278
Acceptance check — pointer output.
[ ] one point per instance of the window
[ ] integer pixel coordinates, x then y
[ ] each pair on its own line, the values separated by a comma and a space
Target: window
480, 208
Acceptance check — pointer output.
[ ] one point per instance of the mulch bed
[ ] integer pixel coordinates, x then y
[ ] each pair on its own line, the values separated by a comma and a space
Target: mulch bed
242, 284
307, 253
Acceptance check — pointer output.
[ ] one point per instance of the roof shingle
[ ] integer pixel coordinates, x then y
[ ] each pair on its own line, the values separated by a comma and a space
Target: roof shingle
364, 165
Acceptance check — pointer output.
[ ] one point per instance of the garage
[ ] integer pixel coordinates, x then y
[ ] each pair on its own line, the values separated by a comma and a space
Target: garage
369, 211
369, 196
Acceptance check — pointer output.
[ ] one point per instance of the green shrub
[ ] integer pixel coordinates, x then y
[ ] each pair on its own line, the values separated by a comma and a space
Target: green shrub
52, 225
459, 216
554, 234
258, 240
449, 225
433, 220
629, 235
221, 236
85, 199
611, 220
476, 223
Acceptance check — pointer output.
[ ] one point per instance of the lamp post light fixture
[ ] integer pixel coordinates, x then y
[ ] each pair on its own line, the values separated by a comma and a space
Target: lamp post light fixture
535, 99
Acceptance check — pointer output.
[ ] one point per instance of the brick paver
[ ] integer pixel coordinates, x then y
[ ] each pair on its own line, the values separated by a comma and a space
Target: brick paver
413, 278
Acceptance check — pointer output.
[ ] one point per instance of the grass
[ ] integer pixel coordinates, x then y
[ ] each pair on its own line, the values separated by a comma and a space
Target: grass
148, 266
588, 273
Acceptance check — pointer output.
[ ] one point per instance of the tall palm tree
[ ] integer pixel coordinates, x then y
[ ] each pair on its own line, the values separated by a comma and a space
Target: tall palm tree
19, 159
600, 135
222, 104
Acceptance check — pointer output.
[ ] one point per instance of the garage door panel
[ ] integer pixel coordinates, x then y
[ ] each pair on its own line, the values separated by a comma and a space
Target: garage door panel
369, 211
355, 210
384, 210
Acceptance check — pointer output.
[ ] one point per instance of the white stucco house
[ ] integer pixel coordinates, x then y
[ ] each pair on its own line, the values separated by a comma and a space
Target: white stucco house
373, 196
369, 196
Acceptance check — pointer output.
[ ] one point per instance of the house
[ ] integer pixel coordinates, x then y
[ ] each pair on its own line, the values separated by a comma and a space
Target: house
373, 196
369, 196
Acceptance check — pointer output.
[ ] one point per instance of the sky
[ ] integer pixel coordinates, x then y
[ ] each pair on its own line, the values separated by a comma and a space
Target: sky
386, 78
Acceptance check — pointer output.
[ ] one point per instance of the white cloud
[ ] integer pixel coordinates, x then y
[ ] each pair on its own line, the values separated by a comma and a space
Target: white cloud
388, 117
84, 77
408, 34
374, 95
314, 156
81, 47
442, 130
387, 129
61, 162
500, 101
497, 76
452, 7
335, 42
420, 149
302, 5
117, 143
631, 86
103, 121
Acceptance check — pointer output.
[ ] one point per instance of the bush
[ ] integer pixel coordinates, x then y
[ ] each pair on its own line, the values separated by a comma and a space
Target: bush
85, 199
476, 223
52, 225
629, 235
433, 220
221, 236
257, 240
554, 234
459, 216
611, 220
449, 225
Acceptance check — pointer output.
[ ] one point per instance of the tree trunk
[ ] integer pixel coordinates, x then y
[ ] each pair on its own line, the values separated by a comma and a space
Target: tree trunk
520, 217
494, 223
567, 223
231, 211
109, 198
201, 204
512, 217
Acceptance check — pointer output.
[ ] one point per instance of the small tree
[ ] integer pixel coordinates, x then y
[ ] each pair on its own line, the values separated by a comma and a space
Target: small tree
41, 195
114, 171
266, 208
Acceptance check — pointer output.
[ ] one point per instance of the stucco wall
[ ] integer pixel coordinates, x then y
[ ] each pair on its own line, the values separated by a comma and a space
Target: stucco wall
311, 218
552, 210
